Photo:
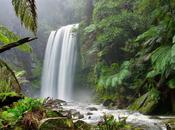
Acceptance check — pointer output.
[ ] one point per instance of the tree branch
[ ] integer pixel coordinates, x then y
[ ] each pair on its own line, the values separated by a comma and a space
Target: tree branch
15, 44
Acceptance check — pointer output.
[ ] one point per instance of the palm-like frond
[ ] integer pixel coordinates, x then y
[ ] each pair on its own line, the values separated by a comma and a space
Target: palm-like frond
26, 11
7, 36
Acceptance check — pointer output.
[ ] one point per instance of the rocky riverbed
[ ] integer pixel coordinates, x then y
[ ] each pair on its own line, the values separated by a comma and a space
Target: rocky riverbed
92, 114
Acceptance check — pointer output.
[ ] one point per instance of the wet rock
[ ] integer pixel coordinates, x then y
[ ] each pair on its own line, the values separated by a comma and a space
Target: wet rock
89, 117
108, 102
61, 102
75, 114
89, 113
73, 111
147, 103
92, 109
57, 123
81, 125
54, 113
53, 104
66, 113
170, 124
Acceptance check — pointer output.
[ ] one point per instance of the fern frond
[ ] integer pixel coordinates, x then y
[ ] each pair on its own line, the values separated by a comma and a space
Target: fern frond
26, 11
6, 37
161, 58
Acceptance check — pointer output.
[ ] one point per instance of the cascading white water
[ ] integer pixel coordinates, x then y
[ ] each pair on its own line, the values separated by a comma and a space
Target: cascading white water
59, 63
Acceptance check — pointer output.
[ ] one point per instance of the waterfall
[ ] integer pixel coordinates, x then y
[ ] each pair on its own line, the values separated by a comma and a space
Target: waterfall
59, 63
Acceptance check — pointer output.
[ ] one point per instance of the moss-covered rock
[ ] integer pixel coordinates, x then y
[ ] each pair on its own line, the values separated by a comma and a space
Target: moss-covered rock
81, 125
147, 103
56, 123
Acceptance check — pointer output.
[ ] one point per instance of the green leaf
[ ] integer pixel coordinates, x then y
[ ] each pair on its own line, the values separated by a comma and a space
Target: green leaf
6, 37
174, 39
152, 32
171, 83
3, 38
161, 58
152, 74
90, 28
26, 11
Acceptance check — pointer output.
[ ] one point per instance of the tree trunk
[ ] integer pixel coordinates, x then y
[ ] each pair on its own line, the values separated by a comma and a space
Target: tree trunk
89, 10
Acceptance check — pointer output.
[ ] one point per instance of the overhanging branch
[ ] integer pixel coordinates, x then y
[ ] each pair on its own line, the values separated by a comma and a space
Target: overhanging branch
15, 44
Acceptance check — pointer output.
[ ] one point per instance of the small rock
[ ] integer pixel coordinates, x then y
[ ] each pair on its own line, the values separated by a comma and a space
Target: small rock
108, 102
89, 113
66, 114
73, 111
81, 125
92, 108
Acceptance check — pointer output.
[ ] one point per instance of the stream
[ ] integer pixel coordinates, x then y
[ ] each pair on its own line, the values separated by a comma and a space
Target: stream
92, 114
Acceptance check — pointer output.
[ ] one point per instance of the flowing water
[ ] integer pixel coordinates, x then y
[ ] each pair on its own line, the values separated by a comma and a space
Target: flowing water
135, 118
58, 75
59, 63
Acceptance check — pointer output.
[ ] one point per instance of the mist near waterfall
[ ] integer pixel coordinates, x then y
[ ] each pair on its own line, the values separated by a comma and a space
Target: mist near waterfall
52, 15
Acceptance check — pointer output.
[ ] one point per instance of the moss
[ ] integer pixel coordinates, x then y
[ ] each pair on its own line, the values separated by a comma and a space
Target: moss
81, 125
147, 103
51, 113
57, 123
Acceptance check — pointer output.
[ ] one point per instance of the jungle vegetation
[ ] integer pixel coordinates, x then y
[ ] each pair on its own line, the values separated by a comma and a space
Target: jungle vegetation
127, 55
132, 44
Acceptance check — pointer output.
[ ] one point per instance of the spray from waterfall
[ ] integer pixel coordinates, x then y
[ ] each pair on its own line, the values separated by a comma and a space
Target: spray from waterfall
59, 63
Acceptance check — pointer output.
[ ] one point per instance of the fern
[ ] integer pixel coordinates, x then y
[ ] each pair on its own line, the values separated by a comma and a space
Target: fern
112, 79
161, 58
26, 11
6, 37
152, 32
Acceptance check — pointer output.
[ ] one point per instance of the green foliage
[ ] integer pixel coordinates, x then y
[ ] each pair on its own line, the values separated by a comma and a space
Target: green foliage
152, 32
20, 75
7, 94
91, 28
110, 123
139, 31
173, 39
6, 37
26, 11
113, 76
37, 71
161, 58
13, 114
171, 84
8, 80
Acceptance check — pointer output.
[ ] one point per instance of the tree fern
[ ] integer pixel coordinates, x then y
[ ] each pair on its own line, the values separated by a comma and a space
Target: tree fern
114, 79
26, 11
161, 58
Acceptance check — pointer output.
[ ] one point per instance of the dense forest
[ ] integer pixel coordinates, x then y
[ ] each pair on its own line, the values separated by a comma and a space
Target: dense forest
116, 55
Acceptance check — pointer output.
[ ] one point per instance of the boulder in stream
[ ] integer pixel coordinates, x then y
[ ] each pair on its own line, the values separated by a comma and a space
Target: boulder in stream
108, 102
81, 125
147, 103
92, 109
56, 123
